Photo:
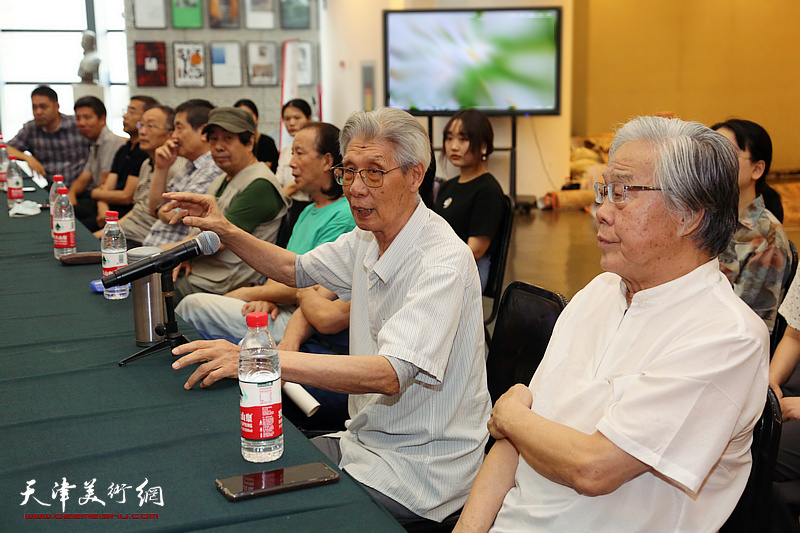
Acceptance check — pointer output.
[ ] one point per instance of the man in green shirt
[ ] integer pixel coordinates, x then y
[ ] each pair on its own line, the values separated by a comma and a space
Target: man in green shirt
248, 195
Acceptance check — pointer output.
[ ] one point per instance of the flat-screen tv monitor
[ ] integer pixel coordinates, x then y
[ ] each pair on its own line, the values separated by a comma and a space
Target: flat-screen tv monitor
501, 61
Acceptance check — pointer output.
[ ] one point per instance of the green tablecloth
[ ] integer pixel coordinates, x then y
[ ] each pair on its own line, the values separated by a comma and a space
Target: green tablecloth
69, 412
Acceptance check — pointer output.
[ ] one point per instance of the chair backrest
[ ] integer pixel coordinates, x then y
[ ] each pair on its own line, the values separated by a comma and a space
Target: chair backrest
752, 513
524, 325
497, 269
780, 323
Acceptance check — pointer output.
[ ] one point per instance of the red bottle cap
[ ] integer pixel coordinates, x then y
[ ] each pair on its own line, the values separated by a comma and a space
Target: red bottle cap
58, 177
112, 215
62, 190
12, 158
257, 320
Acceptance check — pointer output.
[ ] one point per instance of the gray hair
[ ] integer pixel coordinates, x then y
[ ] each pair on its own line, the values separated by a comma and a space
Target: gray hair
397, 128
697, 170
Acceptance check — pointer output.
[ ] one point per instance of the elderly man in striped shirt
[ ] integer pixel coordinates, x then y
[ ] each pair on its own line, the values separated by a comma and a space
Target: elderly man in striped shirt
416, 376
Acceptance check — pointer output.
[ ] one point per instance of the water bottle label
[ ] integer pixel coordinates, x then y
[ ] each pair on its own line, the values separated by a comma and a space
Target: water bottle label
260, 410
2, 176
113, 261
64, 233
15, 191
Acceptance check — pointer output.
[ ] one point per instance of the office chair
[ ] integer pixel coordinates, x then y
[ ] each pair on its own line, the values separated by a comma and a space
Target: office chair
524, 325
752, 512
497, 269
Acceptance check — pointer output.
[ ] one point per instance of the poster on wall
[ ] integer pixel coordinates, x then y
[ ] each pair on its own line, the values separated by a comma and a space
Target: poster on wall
187, 14
295, 14
149, 14
151, 64
262, 67
223, 13
305, 72
190, 64
226, 64
259, 14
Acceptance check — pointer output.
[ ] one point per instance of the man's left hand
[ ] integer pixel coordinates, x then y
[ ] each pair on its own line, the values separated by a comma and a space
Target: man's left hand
219, 358
505, 406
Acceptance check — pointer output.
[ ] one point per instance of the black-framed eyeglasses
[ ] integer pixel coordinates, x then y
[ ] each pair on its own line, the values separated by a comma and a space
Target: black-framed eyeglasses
372, 177
617, 191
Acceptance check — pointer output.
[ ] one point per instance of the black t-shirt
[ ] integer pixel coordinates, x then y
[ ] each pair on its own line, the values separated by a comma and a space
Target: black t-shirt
266, 151
127, 162
474, 208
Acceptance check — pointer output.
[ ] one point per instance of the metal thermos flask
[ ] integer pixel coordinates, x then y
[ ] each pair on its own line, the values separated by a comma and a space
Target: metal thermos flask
148, 300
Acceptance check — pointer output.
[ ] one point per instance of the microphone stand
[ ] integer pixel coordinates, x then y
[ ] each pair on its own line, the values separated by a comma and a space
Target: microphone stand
172, 337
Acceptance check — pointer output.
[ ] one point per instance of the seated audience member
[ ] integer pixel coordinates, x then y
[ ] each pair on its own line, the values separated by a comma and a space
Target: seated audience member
264, 149
247, 194
473, 202
784, 378
316, 152
195, 175
53, 139
643, 421
758, 259
295, 114
90, 116
417, 402
154, 130
116, 191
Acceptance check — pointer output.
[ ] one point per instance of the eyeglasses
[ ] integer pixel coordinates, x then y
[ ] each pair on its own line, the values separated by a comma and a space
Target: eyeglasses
130, 111
617, 191
140, 125
372, 177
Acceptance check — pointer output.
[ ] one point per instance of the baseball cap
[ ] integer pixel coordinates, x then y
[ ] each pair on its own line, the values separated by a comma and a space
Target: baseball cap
231, 119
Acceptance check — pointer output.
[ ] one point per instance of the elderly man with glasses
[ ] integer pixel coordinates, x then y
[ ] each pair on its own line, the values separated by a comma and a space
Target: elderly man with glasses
640, 416
416, 376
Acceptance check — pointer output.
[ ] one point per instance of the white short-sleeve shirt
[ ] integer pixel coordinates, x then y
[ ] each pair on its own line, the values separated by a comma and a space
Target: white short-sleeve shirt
420, 302
677, 380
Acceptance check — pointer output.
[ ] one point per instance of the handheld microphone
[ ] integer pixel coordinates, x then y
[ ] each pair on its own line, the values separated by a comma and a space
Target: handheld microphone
206, 243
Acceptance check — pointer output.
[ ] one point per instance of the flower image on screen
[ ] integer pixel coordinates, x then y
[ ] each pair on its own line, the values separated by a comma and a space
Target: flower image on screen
502, 61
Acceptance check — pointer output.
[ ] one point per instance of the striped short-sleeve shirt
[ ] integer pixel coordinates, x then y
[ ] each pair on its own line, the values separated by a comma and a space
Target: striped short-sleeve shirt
419, 302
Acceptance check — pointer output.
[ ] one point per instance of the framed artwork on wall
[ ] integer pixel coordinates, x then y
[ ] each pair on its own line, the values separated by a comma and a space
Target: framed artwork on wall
295, 14
262, 64
149, 14
151, 64
187, 14
223, 13
189, 61
305, 62
259, 14
226, 64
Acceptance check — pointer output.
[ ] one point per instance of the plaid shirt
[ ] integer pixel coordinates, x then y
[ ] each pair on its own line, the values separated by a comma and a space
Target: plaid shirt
197, 175
63, 151
758, 260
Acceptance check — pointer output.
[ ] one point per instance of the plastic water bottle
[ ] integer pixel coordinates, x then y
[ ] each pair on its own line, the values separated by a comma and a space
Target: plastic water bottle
3, 164
115, 254
58, 181
14, 177
260, 393
63, 225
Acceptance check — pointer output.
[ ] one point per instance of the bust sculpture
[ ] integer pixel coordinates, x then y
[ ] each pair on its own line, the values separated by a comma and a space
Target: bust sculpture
90, 63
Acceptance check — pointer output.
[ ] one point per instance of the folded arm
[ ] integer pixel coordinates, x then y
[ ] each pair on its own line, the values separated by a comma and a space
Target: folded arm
592, 465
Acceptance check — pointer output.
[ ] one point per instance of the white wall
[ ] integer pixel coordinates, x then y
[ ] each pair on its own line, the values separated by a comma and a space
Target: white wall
351, 32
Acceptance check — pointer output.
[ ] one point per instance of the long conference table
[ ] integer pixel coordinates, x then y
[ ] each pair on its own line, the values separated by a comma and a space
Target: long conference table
87, 445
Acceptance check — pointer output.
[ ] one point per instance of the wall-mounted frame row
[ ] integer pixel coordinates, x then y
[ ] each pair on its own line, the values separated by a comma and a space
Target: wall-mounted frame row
225, 14
190, 64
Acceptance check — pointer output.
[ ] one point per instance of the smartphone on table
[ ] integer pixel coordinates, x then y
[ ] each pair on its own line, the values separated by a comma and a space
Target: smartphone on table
246, 486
